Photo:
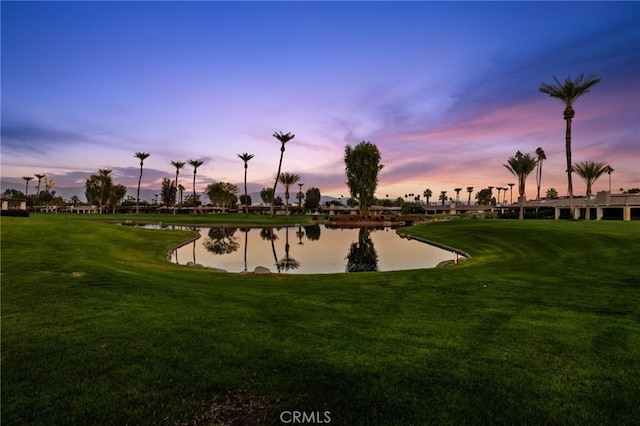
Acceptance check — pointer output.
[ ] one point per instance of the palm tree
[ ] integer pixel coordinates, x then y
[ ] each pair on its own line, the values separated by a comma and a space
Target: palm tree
589, 171
245, 157
141, 156
608, 171
27, 179
511, 192
567, 93
178, 165
521, 165
443, 196
288, 179
181, 190
283, 138
541, 157
40, 176
195, 164
457, 194
427, 194
499, 188
469, 190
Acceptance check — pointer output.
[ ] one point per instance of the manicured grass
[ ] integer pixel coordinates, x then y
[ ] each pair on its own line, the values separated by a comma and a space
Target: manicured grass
542, 325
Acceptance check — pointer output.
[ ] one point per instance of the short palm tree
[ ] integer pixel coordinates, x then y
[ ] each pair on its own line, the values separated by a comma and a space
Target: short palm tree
245, 157
567, 93
469, 190
141, 156
443, 196
457, 194
27, 179
541, 157
608, 171
195, 164
510, 192
589, 171
178, 165
427, 194
521, 165
283, 138
288, 179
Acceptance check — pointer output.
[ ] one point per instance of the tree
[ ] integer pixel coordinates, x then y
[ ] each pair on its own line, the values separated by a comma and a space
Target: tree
362, 165
541, 157
521, 165
362, 256
589, 171
27, 179
288, 179
608, 171
457, 194
178, 165
222, 194
245, 200
283, 138
39, 176
427, 194
140, 156
567, 93
511, 192
98, 188
312, 199
469, 190
168, 192
552, 193
245, 157
266, 194
484, 197
195, 164
116, 195
443, 196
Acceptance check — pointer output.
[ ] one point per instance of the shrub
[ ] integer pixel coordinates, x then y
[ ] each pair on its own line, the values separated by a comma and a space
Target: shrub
15, 212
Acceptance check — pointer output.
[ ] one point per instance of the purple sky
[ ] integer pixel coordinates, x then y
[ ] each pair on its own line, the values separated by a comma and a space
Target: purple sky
446, 90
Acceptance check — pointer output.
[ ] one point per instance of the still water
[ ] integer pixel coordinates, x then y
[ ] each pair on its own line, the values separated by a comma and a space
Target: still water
312, 249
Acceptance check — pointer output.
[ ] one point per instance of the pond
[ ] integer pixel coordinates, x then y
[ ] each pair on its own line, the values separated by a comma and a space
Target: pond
314, 249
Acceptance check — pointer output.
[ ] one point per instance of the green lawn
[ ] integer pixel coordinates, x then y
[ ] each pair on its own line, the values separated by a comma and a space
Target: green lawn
542, 325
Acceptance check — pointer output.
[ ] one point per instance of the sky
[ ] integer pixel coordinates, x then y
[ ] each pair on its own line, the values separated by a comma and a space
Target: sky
447, 91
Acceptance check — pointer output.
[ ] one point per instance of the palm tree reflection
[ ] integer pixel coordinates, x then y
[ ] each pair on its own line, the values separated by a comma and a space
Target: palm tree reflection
267, 234
222, 241
362, 255
287, 262
246, 242
313, 232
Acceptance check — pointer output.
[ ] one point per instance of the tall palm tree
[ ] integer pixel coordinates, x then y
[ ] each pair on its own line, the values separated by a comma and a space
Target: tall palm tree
589, 171
469, 190
141, 156
40, 176
510, 192
427, 194
457, 194
521, 165
195, 164
27, 179
288, 179
283, 138
541, 157
567, 93
608, 171
245, 157
178, 165
499, 188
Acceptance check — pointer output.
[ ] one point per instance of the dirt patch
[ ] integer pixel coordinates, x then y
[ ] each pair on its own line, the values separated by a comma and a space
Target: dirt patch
237, 409
77, 274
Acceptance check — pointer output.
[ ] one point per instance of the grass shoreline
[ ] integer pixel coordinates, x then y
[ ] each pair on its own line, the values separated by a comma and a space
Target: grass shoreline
97, 325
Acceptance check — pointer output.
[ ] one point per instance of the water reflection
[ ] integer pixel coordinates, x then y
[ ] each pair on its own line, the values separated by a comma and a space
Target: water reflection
362, 255
301, 249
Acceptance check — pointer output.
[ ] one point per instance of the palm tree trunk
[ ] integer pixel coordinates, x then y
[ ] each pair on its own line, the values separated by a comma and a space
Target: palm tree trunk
246, 204
275, 185
195, 201
138, 194
568, 115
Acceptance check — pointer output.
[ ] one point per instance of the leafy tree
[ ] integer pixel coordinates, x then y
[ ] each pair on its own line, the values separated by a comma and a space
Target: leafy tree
195, 164
189, 200
313, 232
13, 194
312, 199
589, 171
288, 179
266, 194
98, 188
222, 194
567, 93
484, 197
140, 156
362, 165
245, 200
116, 195
541, 157
178, 165
222, 241
245, 157
521, 165
283, 138
168, 192
362, 256
552, 193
